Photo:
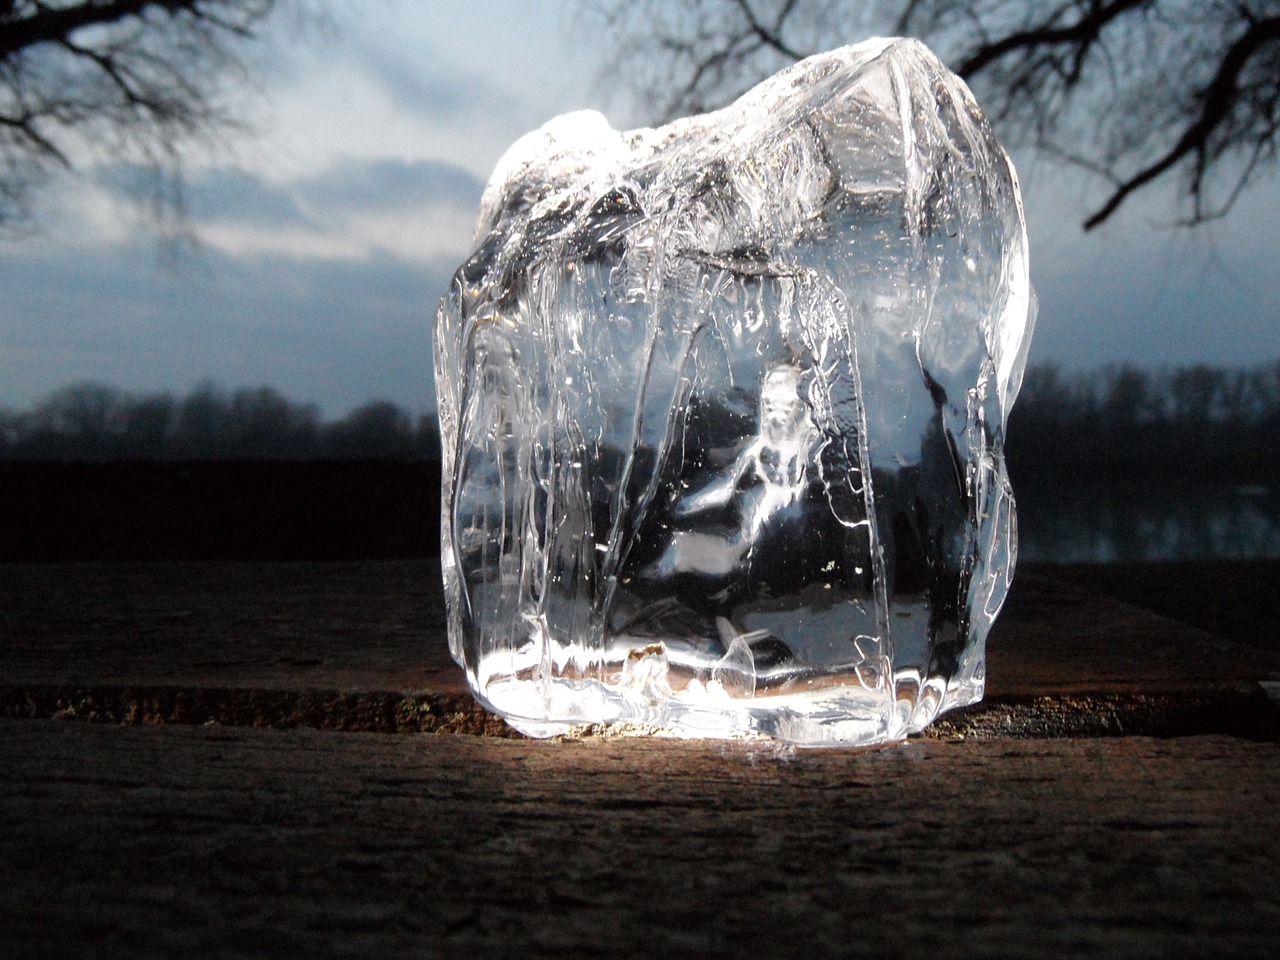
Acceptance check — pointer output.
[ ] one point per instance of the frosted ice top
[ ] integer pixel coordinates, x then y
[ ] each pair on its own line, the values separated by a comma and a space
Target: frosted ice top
723, 407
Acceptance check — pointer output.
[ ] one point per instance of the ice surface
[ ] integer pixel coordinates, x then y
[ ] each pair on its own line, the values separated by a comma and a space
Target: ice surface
723, 407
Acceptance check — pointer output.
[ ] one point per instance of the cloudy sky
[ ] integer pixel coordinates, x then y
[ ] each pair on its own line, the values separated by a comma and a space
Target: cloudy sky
327, 238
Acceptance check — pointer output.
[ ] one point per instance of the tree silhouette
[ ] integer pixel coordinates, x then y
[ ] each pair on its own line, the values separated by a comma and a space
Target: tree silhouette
80, 420
269, 426
1136, 91
95, 422
204, 427
1120, 420
1197, 420
380, 430
140, 79
148, 422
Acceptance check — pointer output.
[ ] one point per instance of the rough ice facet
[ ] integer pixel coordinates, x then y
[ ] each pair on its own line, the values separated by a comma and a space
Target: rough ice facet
723, 407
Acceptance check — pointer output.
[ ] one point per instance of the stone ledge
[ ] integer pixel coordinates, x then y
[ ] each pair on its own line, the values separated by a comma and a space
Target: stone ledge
1251, 716
361, 646
213, 841
200, 817
376, 711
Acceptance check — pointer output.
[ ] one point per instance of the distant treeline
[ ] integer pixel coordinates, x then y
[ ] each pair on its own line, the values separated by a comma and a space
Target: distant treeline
1125, 422
1122, 421
95, 422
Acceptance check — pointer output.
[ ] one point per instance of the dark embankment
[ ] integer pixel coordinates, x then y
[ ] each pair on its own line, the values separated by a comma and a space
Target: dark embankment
389, 510
219, 510
1239, 600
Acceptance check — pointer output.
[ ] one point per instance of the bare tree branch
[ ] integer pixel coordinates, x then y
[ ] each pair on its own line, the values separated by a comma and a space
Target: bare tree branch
1135, 91
142, 79
1078, 37
770, 36
1219, 101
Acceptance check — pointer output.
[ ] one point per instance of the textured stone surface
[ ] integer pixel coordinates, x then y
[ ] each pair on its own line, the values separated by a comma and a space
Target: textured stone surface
230, 840
362, 646
203, 842
1057, 636
380, 626
286, 626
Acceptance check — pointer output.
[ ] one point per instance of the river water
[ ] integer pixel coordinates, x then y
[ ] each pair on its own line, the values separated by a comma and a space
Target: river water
1119, 522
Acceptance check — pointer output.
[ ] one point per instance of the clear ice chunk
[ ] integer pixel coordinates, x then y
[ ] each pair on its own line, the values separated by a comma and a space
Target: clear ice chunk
723, 409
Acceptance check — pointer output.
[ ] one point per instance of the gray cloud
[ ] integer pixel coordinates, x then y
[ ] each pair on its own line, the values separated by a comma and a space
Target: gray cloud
339, 332
334, 332
1138, 291
432, 95
1152, 310
382, 185
229, 196
221, 195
